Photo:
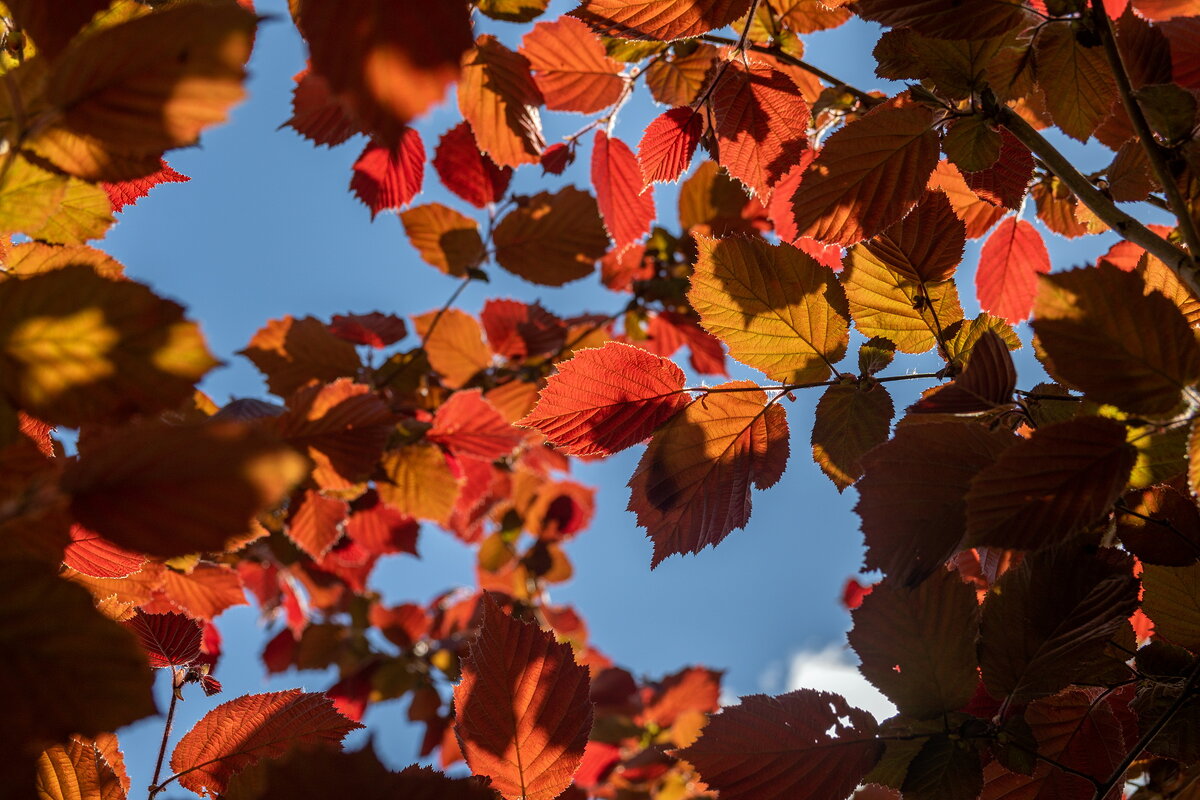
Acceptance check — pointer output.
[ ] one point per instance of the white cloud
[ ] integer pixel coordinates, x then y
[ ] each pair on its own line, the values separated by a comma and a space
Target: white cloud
833, 670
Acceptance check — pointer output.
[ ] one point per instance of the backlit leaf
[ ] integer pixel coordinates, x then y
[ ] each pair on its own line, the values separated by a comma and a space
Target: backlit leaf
419, 482
989, 380
1005, 182
571, 67
498, 97
445, 238
390, 63
53, 26
604, 400
466, 171
133, 90
851, 418
389, 178
553, 238
242, 732
375, 329
926, 245
172, 490
513, 10
78, 347
93, 555
77, 770
942, 19
1045, 489
978, 215
712, 203
1011, 259
522, 708
804, 745
454, 345
292, 353
314, 524
761, 124
1172, 600
316, 113
1102, 335
668, 144
677, 80
883, 303
664, 20
777, 309
868, 175
127, 193
626, 207
918, 644
517, 330
1077, 80
469, 425
204, 592
170, 640
912, 497
692, 485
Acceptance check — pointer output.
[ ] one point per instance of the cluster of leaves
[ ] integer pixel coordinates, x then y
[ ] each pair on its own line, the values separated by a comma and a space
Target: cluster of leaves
1036, 625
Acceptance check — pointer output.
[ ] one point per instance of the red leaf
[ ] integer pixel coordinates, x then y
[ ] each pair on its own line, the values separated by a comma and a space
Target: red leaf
390, 178
779, 209
665, 20
571, 67
794, 746
242, 732
316, 114
854, 592
628, 211
556, 158
127, 193
380, 529
1011, 259
668, 144
523, 713
668, 331
170, 640
761, 124
375, 329
94, 555
517, 330
469, 425
1005, 182
467, 171
604, 400
692, 486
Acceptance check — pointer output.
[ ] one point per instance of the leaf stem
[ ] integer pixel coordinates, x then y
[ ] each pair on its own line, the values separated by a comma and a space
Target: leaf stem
1126, 226
176, 684
1154, 151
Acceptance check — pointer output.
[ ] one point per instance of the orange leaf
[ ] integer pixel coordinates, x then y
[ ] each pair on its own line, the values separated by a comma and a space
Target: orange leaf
292, 353
389, 62
93, 555
868, 175
665, 20
692, 485
711, 202
761, 124
926, 245
552, 239
420, 482
468, 172
455, 347
315, 523
204, 592
173, 490
1011, 259
242, 732
850, 420
469, 425
606, 399
522, 708
380, 529
498, 97
978, 215
668, 144
627, 207
668, 331
517, 330
52, 26
691, 689
445, 238
390, 177
571, 67
170, 640
77, 770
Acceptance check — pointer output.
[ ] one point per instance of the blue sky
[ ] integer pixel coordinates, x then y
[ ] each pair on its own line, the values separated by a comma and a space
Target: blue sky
266, 227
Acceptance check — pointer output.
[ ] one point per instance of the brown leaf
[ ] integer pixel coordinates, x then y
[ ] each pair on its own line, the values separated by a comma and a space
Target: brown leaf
293, 353
552, 239
851, 418
445, 238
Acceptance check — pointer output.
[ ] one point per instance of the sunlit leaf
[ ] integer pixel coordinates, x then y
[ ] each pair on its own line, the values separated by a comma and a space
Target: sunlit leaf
571, 68
1078, 82
468, 172
454, 344
552, 239
659, 19
170, 640
389, 178
498, 97
293, 352
419, 482
625, 205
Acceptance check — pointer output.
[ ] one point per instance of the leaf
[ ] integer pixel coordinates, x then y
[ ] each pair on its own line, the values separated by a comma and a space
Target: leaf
668, 144
988, 382
204, 592
388, 64
777, 309
883, 303
128, 92
1161, 526
444, 238
93, 555
977, 215
522, 708
293, 353
518, 331
1102, 335
84, 212
53, 27
419, 482
242, 732
692, 485
926, 245
29, 195
571, 67
1005, 182
868, 175
127, 193
553, 238
918, 644
315, 523
170, 640
171, 490
375, 330
1049, 621
77, 770
761, 124
606, 399
468, 172
498, 97
912, 496
81, 348
468, 425
1172, 600
712, 203
664, 20
380, 529
1011, 259
1045, 489
626, 207
513, 10
793, 746
945, 768
454, 345
386, 178
677, 80
972, 144
669, 331
944, 20
851, 418
49, 627
1077, 80
317, 114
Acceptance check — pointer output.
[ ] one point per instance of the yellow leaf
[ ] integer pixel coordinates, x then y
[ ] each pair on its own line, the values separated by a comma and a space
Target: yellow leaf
454, 345
420, 482
32, 258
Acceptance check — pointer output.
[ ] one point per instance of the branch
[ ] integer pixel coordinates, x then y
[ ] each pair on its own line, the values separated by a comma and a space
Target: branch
1153, 150
1125, 226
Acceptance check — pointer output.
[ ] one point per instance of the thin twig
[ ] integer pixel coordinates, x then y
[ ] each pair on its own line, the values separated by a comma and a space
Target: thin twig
445, 307
155, 787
